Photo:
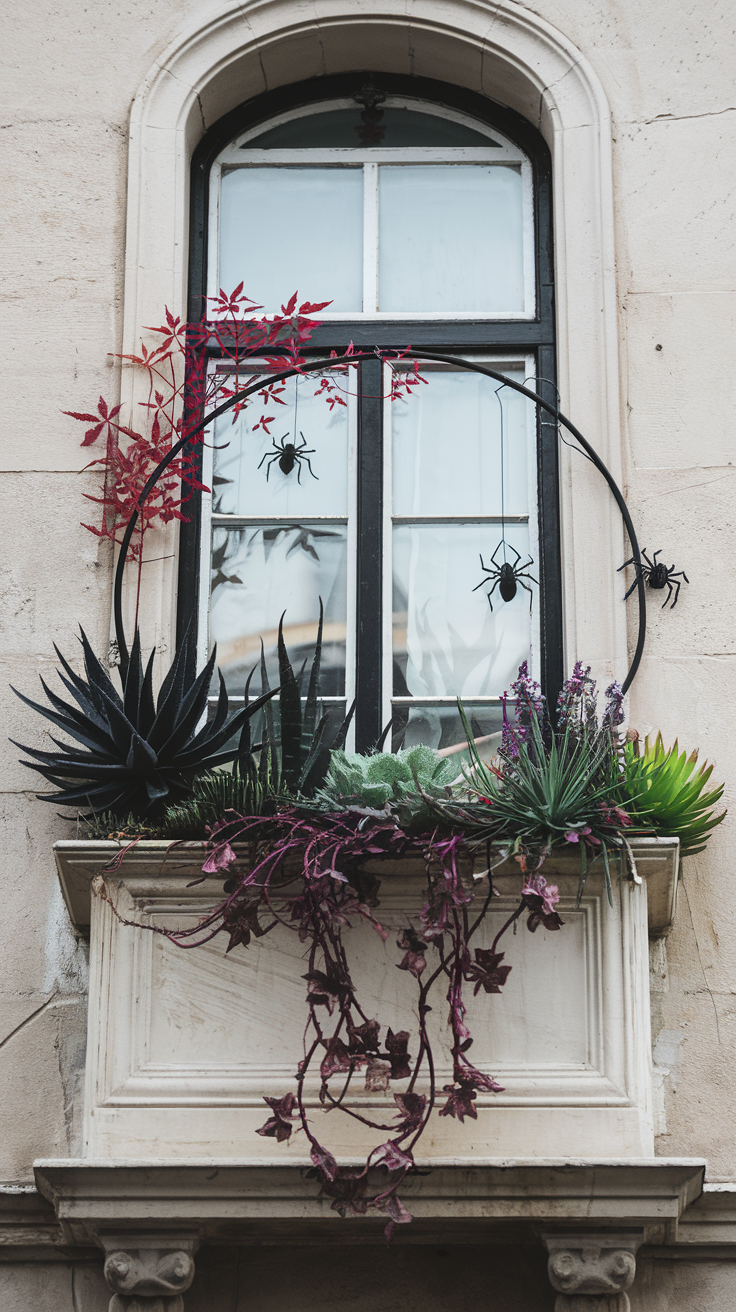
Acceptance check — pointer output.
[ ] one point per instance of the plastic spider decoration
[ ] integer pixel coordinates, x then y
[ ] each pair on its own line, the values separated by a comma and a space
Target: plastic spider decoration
506, 576
656, 575
289, 454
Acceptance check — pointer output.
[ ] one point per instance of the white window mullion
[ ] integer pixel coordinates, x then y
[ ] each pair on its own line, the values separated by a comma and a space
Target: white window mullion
388, 577
370, 238
213, 232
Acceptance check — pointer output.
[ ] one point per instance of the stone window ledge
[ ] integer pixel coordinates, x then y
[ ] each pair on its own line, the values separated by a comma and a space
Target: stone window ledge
241, 1203
79, 861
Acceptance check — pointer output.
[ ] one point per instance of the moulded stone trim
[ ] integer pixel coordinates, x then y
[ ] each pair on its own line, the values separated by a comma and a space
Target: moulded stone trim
79, 861
233, 51
248, 1203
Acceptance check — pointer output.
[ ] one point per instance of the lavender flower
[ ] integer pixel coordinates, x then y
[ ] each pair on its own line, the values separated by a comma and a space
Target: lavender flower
613, 715
529, 705
576, 704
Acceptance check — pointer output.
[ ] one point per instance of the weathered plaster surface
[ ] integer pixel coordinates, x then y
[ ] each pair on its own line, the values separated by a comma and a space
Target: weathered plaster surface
71, 73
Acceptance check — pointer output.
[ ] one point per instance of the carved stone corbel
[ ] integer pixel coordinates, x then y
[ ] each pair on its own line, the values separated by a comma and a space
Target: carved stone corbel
592, 1270
148, 1273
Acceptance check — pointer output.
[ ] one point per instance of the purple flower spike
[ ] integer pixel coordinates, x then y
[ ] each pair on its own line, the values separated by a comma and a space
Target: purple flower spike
613, 715
529, 704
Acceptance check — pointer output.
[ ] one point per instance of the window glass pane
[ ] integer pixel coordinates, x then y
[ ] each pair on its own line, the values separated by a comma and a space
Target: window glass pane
248, 479
450, 238
343, 128
447, 641
441, 726
293, 229
260, 572
446, 446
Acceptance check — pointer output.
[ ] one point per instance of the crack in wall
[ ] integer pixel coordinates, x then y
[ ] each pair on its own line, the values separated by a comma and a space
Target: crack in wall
28, 1019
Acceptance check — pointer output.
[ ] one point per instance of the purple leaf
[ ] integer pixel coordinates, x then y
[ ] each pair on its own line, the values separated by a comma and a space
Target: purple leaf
377, 1076
279, 1126
414, 960
391, 1156
487, 971
396, 1047
460, 1100
335, 1059
325, 1162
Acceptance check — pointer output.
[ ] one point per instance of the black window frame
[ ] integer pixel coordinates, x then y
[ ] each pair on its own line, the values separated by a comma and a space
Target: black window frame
528, 336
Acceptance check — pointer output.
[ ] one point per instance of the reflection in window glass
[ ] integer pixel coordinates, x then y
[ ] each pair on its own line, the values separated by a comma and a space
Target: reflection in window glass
441, 726
282, 226
345, 128
450, 238
258, 572
446, 447
247, 476
447, 642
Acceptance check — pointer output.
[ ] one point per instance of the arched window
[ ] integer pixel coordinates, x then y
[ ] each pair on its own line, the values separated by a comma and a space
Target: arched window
425, 220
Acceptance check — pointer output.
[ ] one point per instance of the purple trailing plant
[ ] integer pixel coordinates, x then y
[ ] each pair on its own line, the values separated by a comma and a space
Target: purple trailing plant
308, 874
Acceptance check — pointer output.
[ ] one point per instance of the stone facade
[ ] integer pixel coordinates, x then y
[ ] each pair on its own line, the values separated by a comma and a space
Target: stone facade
103, 108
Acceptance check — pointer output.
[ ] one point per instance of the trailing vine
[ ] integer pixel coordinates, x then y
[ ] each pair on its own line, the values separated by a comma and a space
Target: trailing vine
307, 874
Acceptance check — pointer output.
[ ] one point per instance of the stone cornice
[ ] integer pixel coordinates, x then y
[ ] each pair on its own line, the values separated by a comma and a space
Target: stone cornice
79, 861
241, 1203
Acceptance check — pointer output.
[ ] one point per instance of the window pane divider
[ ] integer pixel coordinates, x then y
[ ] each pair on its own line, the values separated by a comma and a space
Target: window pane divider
445, 701
235, 521
460, 519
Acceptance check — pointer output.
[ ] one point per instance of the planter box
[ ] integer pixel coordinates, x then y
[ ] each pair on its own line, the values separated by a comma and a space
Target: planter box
183, 1045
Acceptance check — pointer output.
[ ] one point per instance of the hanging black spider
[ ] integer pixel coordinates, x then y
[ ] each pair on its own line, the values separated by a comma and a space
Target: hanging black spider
657, 575
288, 455
506, 576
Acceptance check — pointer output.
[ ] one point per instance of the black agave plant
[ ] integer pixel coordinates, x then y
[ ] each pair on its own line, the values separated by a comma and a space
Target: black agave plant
131, 755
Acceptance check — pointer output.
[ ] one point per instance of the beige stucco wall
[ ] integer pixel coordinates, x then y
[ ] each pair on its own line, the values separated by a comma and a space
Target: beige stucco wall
71, 75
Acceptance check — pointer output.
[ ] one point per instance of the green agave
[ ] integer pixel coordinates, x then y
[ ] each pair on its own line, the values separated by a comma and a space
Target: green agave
665, 790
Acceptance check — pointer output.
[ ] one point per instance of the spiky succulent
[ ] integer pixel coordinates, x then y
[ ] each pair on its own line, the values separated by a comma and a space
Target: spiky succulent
133, 755
666, 790
297, 741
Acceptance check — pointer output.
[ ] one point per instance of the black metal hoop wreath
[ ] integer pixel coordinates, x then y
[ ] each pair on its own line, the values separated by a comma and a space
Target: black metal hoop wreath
315, 367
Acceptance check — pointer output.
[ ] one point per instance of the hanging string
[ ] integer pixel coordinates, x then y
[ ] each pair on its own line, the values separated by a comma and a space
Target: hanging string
503, 494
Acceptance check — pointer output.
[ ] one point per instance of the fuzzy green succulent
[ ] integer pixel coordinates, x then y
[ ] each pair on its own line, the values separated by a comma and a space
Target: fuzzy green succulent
395, 778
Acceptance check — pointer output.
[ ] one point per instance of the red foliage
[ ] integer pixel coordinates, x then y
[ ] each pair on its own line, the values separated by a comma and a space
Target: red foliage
182, 384
179, 387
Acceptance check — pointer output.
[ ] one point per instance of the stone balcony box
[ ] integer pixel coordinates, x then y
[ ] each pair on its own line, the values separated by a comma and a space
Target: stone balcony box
183, 1045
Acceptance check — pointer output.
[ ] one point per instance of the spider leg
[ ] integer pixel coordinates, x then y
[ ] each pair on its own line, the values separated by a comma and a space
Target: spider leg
522, 574
650, 563
631, 589
299, 470
626, 562
268, 466
488, 594
520, 580
493, 557
487, 570
305, 457
669, 594
676, 586
260, 462
516, 553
